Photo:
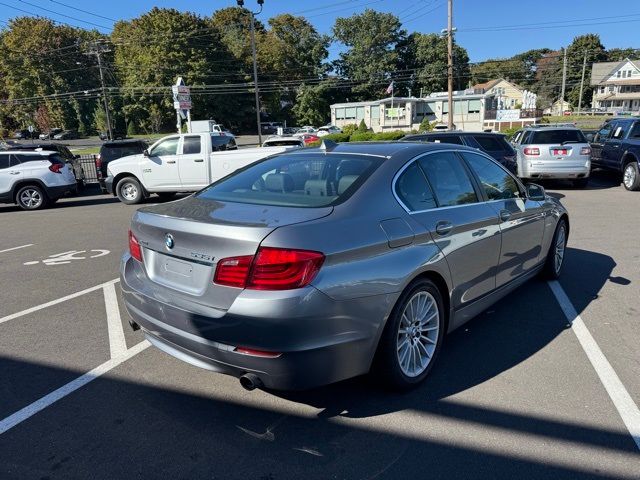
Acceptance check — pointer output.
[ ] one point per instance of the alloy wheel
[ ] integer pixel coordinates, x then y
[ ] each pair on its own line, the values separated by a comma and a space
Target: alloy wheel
31, 198
629, 176
418, 334
129, 191
559, 248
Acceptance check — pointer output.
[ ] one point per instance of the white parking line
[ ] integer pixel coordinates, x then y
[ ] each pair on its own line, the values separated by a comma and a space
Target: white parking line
39, 405
117, 342
621, 399
16, 248
56, 301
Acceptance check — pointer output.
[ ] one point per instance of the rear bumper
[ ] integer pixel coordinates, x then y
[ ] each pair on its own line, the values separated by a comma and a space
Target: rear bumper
61, 190
320, 340
548, 170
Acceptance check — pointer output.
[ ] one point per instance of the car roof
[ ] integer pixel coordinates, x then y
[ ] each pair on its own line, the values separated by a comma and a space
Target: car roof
43, 153
453, 134
115, 143
388, 149
33, 146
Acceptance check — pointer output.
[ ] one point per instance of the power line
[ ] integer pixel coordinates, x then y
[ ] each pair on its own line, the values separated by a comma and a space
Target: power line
63, 15
83, 11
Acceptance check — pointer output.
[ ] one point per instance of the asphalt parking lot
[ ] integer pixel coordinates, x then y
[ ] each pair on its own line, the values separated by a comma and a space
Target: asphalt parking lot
525, 390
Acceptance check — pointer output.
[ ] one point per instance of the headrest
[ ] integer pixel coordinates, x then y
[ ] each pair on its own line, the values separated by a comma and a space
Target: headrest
279, 182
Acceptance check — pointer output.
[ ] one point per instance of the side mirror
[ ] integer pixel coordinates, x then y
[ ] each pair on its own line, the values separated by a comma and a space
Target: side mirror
536, 192
145, 152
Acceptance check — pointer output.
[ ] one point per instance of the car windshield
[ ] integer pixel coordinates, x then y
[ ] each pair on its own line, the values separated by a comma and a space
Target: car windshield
557, 137
295, 180
112, 152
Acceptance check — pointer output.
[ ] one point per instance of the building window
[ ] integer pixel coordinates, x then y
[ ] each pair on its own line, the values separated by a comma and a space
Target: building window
474, 106
618, 73
624, 74
350, 113
359, 113
460, 107
375, 112
339, 113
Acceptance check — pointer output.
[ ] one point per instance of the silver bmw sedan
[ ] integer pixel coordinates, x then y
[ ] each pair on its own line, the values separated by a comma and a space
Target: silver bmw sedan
317, 265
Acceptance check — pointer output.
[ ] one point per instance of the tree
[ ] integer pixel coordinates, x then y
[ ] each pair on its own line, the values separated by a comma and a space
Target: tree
312, 104
619, 54
590, 46
371, 58
519, 69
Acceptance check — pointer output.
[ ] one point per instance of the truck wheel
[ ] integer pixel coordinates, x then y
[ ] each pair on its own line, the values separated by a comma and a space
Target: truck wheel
129, 191
631, 177
31, 197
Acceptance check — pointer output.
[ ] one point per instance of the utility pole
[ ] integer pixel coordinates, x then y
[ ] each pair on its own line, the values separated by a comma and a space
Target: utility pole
98, 49
564, 81
450, 62
255, 64
584, 68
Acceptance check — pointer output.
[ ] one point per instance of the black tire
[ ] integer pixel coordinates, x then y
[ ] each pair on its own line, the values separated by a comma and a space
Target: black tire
387, 364
31, 197
129, 191
631, 177
581, 182
166, 196
551, 271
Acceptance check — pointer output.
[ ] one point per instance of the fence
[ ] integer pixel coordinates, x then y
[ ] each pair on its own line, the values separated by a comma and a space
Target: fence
88, 164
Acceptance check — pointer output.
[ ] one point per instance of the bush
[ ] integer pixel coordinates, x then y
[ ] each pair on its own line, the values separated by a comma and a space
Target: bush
337, 137
362, 137
362, 127
426, 125
395, 135
313, 144
131, 129
509, 132
349, 129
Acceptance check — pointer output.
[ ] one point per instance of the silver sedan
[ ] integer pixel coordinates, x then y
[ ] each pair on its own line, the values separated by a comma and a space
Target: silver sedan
314, 266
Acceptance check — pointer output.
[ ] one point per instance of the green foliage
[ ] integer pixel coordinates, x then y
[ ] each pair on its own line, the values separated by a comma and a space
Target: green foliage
426, 125
510, 132
371, 39
100, 119
337, 137
131, 129
312, 105
362, 127
385, 136
349, 129
361, 137
520, 69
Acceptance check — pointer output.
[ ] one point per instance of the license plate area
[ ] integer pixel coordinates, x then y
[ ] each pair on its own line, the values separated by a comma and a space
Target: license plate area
560, 152
177, 267
181, 275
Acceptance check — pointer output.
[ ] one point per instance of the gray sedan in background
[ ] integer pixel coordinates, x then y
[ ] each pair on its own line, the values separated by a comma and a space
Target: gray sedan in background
317, 265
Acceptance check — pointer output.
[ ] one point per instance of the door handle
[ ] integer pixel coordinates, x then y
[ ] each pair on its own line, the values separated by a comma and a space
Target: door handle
505, 215
14, 173
199, 160
443, 228
171, 161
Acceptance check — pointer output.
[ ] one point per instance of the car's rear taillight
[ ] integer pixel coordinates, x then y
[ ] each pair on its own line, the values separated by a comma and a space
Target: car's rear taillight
134, 247
585, 151
270, 269
532, 151
56, 167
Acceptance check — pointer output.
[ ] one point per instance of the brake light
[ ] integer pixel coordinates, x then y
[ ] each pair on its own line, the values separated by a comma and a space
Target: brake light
99, 161
134, 247
270, 269
532, 151
585, 151
56, 167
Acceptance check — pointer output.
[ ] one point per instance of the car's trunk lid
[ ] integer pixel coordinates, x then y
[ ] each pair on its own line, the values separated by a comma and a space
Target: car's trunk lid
183, 241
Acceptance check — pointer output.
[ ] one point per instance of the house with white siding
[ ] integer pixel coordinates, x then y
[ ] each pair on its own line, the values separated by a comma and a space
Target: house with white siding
616, 86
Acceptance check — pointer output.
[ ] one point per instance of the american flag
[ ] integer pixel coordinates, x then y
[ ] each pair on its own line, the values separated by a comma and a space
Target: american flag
390, 88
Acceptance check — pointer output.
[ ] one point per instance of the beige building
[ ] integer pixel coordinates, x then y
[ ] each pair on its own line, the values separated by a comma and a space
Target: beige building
508, 95
616, 86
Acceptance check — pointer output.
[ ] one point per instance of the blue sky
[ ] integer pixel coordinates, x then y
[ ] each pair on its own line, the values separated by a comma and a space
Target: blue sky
619, 29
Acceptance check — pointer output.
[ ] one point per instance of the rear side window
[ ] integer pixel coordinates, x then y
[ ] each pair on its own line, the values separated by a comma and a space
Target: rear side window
490, 144
191, 145
449, 179
620, 130
413, 190
557, 137
222, 142
635, 131
4, 161
444, 139
113, 152
295, 180
33, 158
495, 181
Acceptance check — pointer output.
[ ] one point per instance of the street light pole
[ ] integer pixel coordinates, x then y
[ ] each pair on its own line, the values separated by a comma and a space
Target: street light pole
255, 64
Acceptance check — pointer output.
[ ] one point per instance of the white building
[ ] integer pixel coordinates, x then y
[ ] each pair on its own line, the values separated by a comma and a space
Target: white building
616, 86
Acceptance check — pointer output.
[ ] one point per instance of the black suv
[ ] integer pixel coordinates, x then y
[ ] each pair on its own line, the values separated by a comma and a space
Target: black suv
493, 144
114, 150
63, 152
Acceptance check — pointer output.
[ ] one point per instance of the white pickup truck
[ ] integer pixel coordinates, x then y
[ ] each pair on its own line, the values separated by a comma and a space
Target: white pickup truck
180, 163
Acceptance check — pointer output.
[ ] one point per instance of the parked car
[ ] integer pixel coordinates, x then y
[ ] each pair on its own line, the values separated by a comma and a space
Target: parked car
66, 135
308, 138
64, 153
278, 141
327, 130
493, 144
616, 147
554, 152
24, 134
34, 180
117, 135
179, 163
114, 150
306, 130
270, 127
289, 130
589, 134
254, 276
50, 134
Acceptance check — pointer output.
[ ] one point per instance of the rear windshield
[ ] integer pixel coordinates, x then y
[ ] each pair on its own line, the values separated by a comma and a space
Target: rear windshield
295, 180
113, 152
222, 142
557, 137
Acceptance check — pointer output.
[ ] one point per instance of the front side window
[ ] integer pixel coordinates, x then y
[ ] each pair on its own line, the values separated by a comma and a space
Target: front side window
295, 180
495, 181
450, 181
413, 190
4, 161
191, 145
166, 147
635, 130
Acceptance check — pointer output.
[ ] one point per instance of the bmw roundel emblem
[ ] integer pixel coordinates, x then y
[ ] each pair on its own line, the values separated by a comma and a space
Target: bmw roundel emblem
168, 241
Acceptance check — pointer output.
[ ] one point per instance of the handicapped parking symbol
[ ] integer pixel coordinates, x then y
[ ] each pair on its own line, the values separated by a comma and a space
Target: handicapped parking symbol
70, 256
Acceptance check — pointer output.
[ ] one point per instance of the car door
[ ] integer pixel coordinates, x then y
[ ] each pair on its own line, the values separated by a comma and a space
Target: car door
612, 150
598, 144
191, 163
464, 228
10, 173
160, 169
521, 219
